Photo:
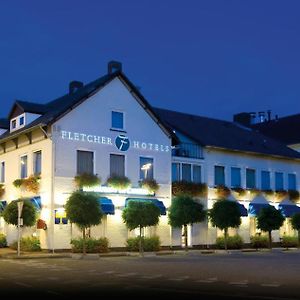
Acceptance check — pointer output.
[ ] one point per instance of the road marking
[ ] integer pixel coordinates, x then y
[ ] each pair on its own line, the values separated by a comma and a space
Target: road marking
275, 284
109, 272
179, 278
242, 282
23, 284
204, 281
151, 276
126, 274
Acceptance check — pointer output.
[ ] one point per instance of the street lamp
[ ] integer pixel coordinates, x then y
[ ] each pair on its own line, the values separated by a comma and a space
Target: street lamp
20, 223
145, 168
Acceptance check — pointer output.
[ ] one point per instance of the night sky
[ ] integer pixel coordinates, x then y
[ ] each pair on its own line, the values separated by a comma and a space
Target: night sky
212, 58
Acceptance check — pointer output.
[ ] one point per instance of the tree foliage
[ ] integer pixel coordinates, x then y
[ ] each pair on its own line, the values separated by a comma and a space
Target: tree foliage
268, 219
10, 213
295, 221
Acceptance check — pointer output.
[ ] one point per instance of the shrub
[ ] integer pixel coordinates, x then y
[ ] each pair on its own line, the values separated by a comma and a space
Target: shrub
3, 242
150, 243
150, 184
87, 180
222, 191
2, 190
259, 241
18, 183
30, 184
280, 194
289, 241
31, 244
293, 195
189, 188
240, 191
92, 245
119, 182
233, 242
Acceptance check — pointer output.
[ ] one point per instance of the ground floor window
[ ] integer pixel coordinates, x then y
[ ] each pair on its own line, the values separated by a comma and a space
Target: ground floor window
186, 172
85, 162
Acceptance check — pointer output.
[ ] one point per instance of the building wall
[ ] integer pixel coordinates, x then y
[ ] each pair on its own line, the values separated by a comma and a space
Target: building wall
93, 118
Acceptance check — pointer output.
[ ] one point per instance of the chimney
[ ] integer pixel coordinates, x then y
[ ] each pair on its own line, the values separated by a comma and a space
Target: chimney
74, 86
243, 118
114, 66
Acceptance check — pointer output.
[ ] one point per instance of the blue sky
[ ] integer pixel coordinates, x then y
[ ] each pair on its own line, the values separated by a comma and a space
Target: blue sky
212, 58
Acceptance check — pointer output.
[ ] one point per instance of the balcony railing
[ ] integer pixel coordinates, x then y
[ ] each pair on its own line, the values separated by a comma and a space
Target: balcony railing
188, 150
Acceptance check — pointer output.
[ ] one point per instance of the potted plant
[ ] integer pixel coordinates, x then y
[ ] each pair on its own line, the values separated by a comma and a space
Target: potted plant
30, 184
119, 182
239, 191
189, 188
222, 191
86, 180
150, 184
294, 195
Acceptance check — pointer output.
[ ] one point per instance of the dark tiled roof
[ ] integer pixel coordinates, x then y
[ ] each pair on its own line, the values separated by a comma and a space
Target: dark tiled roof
4, 123
286, 129
31, 107
224, 134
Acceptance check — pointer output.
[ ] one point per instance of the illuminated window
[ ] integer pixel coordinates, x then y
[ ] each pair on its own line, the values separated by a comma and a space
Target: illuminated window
117, 120
24, 169
146, 168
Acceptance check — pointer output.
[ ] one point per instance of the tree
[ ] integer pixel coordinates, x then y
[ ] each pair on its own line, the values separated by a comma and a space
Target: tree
10, 213
84, 210
225, 214
185, 211
139, 215
268, 219
295, 221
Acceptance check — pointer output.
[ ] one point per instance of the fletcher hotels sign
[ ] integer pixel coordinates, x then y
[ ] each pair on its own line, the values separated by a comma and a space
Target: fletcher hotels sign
122, 142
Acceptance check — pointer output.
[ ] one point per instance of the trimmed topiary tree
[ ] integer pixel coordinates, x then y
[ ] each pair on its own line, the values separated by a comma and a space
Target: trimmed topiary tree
139, 215
295, 221
268, 219
84, 210
185, 211
225, 214
10, 213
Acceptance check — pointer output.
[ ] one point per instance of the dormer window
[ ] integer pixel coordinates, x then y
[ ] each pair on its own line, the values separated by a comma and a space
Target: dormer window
22, 121
17, 122
14, 124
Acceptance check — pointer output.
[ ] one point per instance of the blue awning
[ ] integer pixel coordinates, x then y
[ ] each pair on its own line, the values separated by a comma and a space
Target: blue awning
254, 208
36, 201
158, 203
243, 210
107, 206
288, 210
2, 205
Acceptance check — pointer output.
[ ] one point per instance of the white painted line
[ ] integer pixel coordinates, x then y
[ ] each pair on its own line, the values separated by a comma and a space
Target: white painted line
126, 274
109, 272
213, 279
151, 276
270, 284
204, 281
23, 284
242, 282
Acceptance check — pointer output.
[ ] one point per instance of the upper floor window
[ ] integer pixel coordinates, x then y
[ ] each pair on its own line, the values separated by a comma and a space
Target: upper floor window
197, 174
265, 180
24, 168
117, 120
250, 179
235, 177
117, 165
2, 172
292, 184
278, 181
21, 121
219, 175
146, 168
37, 162
85, 162
175, 172
14, 124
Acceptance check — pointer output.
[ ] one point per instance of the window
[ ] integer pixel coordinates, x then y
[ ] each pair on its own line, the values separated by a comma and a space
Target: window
175, 172
292, 185
278, 181
14, 124
37, 163
24, 166
265, 180
219, 175
186, 172
235, 177
21, 121
117, 120
146, 168
250, 179
2, 172
85, 162
117, 165
197, 174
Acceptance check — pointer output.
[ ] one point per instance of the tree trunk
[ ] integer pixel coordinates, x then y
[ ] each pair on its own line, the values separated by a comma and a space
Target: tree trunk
185, 233
225, 238
298, 238
83, 246
141, 243
270, 239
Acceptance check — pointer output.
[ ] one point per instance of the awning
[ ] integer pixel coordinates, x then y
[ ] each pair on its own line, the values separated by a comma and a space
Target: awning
2, 205
36, 201
158, 203
254, 208
107, 206
288, 210
243, 210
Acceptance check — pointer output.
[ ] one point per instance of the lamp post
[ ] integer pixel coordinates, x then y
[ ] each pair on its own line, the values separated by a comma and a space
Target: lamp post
145, 168
20, 223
